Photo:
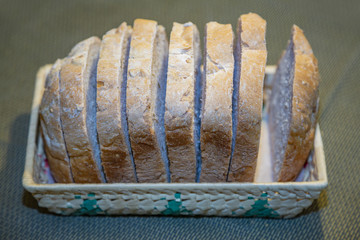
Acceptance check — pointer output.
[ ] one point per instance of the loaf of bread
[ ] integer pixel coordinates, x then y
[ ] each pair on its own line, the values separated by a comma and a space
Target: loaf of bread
133, 108
293, 108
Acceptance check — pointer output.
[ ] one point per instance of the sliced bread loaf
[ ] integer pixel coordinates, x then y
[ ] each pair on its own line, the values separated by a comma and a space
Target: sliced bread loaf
114, 142
248, 96
78, 111
216, 112
181, 107
51, 128
145, 100
293, 108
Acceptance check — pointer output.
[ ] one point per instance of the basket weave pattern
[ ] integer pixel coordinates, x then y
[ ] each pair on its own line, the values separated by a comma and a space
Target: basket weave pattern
201, 202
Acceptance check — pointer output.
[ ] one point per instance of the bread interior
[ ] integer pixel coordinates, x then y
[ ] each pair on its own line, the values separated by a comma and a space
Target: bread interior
123, 83
90, 89
235, 96
158, 92
197, 101
280, 109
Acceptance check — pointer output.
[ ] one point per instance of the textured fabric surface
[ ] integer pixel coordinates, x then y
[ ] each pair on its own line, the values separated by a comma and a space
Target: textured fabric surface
34, 33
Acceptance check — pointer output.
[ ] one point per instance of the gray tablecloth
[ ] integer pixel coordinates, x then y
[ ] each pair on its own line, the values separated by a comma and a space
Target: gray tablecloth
34, 33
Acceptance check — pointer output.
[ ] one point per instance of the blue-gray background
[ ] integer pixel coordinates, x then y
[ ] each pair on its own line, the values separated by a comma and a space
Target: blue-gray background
34, 33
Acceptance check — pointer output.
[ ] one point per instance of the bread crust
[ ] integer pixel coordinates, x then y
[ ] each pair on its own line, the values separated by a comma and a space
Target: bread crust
73, 113
304, 107
180, 101
251, 47
139, 103
115, 156
51, 128
216, 120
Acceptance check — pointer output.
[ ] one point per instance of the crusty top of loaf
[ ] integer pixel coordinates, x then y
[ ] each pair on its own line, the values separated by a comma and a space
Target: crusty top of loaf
253, 35
143, 49
301, 44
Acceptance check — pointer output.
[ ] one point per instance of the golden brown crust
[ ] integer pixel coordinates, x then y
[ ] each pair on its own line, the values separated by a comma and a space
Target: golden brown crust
252, 70
304, 108
51, 128
253, 31
216, 125
73, 113
140, 112
179, 109
115, 156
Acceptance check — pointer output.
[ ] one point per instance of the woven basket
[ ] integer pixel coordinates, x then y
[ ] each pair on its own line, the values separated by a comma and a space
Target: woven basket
216, 199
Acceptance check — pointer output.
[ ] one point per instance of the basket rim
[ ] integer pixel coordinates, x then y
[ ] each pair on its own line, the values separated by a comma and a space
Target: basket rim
30, 185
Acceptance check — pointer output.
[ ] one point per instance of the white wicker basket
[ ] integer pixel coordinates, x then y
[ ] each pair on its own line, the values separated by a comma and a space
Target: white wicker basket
215, 199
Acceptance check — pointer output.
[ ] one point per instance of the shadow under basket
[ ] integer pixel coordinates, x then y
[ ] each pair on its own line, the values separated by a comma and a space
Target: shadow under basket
274, 199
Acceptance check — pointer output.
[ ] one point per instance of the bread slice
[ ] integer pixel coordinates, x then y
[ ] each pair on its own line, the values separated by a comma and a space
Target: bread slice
78, 111
145, 100
181, 106
51, 128
216, 116
248, 96
111, 123
293, 108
